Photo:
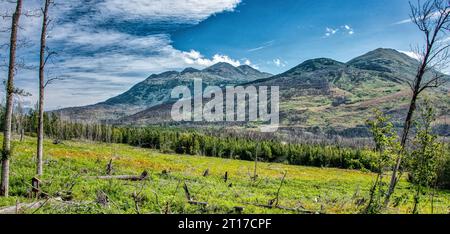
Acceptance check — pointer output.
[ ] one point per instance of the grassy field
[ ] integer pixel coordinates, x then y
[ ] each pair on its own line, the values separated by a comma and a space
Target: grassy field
70, 166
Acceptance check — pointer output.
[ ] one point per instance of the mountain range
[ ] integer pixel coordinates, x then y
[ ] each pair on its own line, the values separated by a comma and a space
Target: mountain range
320, 96
156, 89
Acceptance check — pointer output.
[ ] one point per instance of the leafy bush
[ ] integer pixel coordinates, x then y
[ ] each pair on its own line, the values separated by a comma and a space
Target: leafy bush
443, 180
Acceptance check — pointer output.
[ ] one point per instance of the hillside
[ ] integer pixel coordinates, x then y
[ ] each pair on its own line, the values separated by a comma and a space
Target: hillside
320, 96
155, 90
324, 96
71, 169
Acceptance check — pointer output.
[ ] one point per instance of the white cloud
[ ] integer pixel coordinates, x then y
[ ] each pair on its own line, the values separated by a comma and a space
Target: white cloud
218, 58
406, 21
412, 54
182, 10
262, 46
256, 49
195, 58
403, 22
330, 31
115, 73
347, 29
72, 36
109, 59
279, 63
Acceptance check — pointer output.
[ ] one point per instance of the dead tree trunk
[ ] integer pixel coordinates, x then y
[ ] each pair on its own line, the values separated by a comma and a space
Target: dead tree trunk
141, 177
433, 19
255, 175
405, 133
22, 134
6, 153
42, 62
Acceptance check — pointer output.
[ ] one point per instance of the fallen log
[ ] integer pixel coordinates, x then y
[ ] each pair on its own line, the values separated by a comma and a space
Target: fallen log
189, 198
141, 177
299, 210
22, 207
238, 209
197, 203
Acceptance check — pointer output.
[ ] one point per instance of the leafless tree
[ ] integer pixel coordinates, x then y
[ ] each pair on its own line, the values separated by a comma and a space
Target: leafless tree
432, 17
44, 57
6, 153
19, 116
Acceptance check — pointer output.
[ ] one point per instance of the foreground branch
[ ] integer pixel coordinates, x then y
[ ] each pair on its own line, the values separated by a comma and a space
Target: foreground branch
141, 177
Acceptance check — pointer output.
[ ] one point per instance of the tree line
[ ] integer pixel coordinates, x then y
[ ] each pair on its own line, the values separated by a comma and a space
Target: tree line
203, 143
191, 142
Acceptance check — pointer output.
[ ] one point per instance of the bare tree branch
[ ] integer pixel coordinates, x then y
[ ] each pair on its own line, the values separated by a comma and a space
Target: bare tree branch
49, 55
432, 17
51, 80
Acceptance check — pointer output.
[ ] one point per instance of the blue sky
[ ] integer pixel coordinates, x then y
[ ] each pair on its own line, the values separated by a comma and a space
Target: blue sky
106, 46
291, 31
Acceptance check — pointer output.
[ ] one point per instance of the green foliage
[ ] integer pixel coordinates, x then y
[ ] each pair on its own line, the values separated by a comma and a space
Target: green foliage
443, 177
386, 146
426, 156
181, 141
72, 168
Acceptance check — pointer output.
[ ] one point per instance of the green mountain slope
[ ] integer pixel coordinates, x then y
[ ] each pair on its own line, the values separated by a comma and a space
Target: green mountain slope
323, 96
156, 89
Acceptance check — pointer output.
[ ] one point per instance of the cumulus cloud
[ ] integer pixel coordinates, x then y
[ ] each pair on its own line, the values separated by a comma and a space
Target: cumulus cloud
195, 58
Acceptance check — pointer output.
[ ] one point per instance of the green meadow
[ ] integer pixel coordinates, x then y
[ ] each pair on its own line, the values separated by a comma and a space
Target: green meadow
71, 184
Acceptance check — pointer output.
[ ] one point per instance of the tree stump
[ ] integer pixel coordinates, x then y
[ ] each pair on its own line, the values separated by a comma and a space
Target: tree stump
109, 168
225, 177
206, 173
36, 184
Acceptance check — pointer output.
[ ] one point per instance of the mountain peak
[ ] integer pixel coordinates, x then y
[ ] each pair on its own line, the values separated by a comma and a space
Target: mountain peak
251, 71
383, 53
167, 73
190, 70
220, 66
383, 60
247, 67
317, 64
224, 70
323, 61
